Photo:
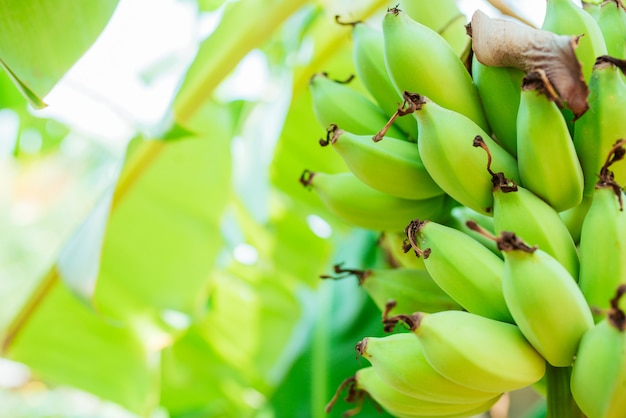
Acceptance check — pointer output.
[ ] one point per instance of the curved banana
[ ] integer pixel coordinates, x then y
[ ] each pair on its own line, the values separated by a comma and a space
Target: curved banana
544, 299
392, 166
499, 89
597, 130
443, 16
564, 17
612, 22
603, 242
410, 290
360, 205
533, 220
446, 146
475, 351
548, 164
537, 223
464, 268
368, 54
399, 360
420, 60
396, 402
335, 102
599, 371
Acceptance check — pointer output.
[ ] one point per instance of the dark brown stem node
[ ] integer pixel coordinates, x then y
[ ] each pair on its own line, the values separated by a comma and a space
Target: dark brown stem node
499, 181
411, 103
395, 9
341, 273
352, 23
411, 321
306, 178
411, 231
616, 316
332, 134
606, 177
506, 241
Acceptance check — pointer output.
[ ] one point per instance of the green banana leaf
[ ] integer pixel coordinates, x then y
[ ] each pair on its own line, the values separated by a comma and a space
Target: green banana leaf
40, 40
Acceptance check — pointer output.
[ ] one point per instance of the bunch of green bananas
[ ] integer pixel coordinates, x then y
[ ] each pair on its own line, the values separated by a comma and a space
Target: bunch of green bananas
496, 147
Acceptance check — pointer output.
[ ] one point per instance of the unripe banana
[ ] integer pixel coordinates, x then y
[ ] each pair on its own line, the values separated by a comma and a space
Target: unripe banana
399, 360
368, 382
563, 17
592, 7
604, 123
533, 220
599, 372
411, 290
445, 145
464, 268
573, 218
461, 214
500, 89
368, 54
360, 205
335, 102
548, 164
544, 299
392, 166
603, 242
537, 223
475, 351
612, 22
420, 60
443, 16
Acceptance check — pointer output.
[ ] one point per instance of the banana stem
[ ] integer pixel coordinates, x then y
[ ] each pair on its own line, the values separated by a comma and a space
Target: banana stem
560, 403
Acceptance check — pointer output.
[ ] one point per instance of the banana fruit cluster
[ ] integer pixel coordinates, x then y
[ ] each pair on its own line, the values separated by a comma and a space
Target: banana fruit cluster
489, 154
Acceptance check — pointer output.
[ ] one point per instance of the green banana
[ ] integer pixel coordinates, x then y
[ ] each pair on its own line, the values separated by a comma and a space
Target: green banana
537, 223
464, 268
360, 205
544, 300
368, 382
459, 215
392, 166
419, 60
411, 290
445, 145
548, 164
603, 239
368, 55
443, 16
599, 371
533, 220
573, 218
475, 351
592, 7
500, 89
400, 361
604, 123
564, 17
335, 102
612, 23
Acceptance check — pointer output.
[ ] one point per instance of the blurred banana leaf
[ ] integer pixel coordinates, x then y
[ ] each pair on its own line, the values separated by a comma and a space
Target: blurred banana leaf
41, 39
150, 303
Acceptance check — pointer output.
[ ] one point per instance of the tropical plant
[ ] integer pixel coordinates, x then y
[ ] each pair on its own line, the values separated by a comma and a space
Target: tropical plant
190, 275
